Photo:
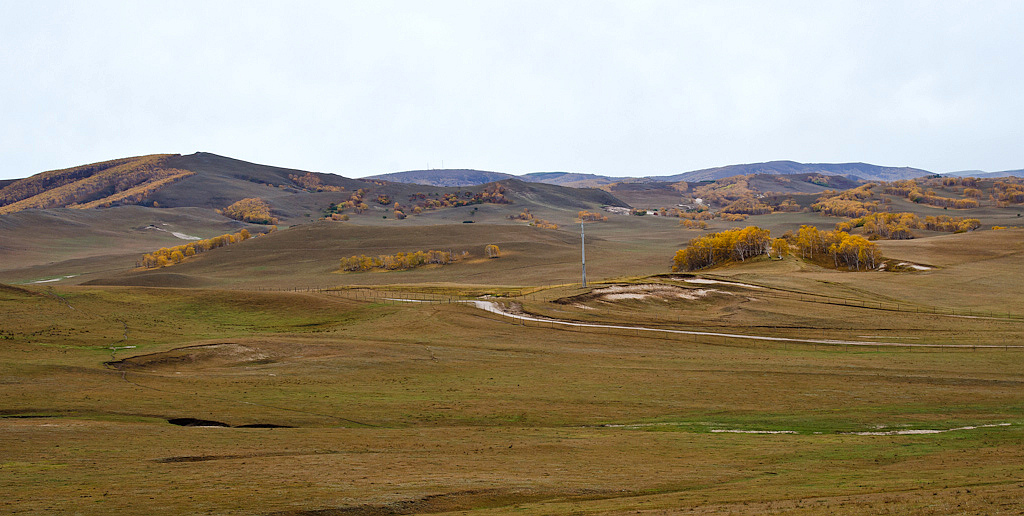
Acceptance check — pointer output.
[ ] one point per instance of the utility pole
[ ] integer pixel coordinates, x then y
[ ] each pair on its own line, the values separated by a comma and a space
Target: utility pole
583, 249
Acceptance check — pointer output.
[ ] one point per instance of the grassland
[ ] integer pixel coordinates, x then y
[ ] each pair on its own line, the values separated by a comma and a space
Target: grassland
367, 405
312, 391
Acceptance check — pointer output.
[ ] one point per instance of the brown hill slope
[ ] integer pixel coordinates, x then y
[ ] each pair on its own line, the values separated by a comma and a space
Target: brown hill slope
309, 255
122, 181
46, 244
205, 180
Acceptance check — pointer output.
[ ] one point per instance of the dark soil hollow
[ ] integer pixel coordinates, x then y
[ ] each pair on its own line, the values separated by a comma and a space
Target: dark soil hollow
188, 421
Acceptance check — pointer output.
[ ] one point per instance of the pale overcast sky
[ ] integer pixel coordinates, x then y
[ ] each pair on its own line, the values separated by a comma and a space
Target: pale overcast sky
617, 88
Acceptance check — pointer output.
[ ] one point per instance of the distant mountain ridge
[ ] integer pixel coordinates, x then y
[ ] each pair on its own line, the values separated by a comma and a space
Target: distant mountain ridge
445, 177
463, 177
575, 180
865, 171
981, 173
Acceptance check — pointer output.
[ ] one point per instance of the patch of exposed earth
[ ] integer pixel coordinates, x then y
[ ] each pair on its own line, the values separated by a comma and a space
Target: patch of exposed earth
199, 356
640, 292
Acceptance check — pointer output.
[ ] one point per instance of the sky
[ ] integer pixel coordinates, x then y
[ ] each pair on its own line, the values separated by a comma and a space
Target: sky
624, 88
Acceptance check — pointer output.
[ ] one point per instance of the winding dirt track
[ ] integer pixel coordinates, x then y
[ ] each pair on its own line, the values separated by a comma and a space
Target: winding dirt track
496, 308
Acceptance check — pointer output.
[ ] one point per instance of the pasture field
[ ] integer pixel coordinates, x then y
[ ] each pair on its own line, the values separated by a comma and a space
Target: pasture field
355, 400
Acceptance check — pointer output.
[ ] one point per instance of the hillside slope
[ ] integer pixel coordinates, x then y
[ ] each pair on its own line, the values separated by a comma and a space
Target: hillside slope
120, 181
220, 181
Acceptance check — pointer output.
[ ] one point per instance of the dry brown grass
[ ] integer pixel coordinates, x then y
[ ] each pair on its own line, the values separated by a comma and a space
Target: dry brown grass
399, 408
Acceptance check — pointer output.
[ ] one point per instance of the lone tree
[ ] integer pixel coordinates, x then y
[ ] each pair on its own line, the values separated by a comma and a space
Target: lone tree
492, 251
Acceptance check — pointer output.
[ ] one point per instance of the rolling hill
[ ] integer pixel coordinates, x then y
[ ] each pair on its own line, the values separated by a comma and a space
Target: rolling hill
76, 223
204, 180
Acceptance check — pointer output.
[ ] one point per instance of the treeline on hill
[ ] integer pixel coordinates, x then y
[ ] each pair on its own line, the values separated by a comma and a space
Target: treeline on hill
252, 209
897, 226
172, 255
418, 202
534, 221
848, 203
122, 181
1007, 192
852, 251
913, 192
732, 199
312, 183
399, 260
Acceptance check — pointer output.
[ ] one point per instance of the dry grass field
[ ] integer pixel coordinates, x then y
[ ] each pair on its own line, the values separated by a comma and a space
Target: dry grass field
258, 378
352, 401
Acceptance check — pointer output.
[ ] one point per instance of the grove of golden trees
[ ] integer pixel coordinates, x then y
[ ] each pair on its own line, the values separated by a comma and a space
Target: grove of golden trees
588, 216
747, 206
734, 217
912, 191
1008, 192
534, 221
171, 255
523, 215
492, 251
848, 203
691, 215
717, 248
252, 209
398, 261
844, 248
312, 183
852, 251
897, 226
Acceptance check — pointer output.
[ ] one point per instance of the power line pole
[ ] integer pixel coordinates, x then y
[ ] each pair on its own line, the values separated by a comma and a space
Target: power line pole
583, 249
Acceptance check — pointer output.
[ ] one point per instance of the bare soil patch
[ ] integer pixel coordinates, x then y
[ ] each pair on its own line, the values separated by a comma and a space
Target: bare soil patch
640, 292
199, 357
447, 502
